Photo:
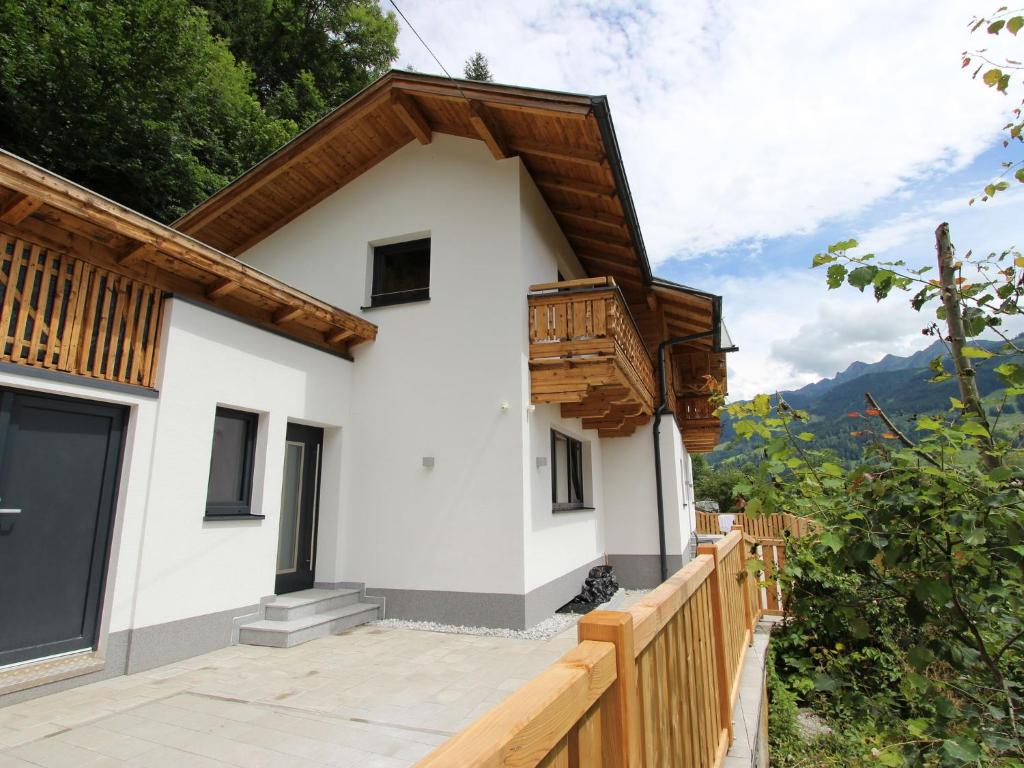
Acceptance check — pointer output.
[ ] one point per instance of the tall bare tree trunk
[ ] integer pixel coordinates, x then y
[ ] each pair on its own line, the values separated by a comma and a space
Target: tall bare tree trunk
965, 373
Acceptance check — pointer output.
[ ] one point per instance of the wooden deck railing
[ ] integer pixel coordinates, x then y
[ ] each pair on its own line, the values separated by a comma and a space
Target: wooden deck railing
586, 349
650, 687
64, 314
770, 532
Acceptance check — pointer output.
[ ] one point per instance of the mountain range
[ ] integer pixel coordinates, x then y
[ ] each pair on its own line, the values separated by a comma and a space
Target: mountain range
900, 385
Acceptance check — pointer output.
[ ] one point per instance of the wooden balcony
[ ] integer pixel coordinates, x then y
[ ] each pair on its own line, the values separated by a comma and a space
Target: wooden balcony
587, 354
64, 314
700, 427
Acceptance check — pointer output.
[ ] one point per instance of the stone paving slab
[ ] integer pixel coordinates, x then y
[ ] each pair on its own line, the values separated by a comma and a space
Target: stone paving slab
371, 697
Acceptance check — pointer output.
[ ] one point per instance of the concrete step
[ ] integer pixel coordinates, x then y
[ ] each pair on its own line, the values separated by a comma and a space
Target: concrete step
309, 602
291, 632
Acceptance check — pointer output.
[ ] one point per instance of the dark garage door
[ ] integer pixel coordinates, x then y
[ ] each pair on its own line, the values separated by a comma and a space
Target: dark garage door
59, 461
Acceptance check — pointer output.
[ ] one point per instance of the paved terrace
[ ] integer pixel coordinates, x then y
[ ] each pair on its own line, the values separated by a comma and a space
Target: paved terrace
371, 697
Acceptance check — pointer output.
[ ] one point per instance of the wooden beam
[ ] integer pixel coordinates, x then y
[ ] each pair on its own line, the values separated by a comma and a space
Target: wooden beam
598, 237
566, 154
334, 337
411, 116
575, 186
287, 313
19, 208
596, 217
221, 288
609, 261
140, 252
487, 130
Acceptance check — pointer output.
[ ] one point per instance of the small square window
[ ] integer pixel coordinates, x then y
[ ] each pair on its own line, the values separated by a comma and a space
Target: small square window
566, 472
401, 273
229, 489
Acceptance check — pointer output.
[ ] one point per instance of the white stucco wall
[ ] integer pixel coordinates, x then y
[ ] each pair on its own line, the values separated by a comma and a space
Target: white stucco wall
188, 566
631, 518
434, 381
554, 542
166, 563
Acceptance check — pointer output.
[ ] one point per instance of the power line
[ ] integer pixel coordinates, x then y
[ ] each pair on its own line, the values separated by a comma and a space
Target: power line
424, 42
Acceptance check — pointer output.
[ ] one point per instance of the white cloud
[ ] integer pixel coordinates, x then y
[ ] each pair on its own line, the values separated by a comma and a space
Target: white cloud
742, 120
812, 334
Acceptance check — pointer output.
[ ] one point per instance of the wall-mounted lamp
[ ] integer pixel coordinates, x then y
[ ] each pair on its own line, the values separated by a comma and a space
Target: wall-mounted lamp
504, 406
542, 461
428, 462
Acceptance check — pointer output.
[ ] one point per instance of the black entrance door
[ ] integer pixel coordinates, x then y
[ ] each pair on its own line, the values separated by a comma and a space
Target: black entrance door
59, 461
300, 497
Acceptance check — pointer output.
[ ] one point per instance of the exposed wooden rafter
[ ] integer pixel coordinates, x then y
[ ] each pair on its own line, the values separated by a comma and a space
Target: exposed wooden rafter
574, 186
563, 153
19, 208
140, 252
220, 288
591, 216
287, 313
410, 114
488, 130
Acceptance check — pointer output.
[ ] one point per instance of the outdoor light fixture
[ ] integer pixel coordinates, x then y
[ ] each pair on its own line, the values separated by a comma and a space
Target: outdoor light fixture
428, 462
542, 461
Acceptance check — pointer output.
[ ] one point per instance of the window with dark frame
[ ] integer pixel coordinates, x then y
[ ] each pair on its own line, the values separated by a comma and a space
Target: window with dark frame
401, 273
566, 472
229, 489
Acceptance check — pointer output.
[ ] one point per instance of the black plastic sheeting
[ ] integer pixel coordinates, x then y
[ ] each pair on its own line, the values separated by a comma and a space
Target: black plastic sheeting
598, 588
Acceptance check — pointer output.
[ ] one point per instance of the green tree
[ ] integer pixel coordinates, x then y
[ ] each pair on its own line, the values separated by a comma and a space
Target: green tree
999, 74
715, 483
132, 98
908, 604
478, 68
308, 56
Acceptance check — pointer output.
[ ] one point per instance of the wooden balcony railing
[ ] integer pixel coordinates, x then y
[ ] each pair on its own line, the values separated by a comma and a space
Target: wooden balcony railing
650, 687
587, 354
64, 314
700, 427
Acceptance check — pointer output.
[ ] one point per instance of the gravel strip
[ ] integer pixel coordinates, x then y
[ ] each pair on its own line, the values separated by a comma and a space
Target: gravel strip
542, 631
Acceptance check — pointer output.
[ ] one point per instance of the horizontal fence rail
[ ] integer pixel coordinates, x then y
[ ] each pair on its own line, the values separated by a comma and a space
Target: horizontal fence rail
61, 313
650, 687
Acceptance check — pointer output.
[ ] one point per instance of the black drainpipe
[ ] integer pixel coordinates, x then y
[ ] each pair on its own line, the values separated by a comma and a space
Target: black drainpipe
663, 408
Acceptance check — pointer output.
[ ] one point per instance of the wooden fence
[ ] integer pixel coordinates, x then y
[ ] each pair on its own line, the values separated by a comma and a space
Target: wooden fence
650, 687
770, 532
773, 526
65, 314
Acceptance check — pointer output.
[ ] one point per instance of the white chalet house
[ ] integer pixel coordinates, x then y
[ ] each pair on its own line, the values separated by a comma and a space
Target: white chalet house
414, 363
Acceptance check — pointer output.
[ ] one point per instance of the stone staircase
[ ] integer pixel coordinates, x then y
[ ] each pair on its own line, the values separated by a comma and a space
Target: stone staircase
298, 617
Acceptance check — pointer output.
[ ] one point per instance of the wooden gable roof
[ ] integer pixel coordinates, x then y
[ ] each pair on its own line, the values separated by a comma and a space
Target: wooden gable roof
41, 207
566, 142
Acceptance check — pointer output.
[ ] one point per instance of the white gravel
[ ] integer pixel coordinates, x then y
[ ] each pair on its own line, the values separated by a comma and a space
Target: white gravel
542, 631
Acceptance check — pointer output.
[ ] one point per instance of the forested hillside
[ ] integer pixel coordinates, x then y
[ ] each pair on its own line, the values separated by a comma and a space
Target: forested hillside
900, 385
159, 103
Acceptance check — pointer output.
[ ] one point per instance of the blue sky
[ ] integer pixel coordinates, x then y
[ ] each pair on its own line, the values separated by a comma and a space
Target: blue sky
756, 132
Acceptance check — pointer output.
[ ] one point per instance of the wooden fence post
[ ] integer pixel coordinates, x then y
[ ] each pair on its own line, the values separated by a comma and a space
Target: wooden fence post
718, 625
622, 745
748, 608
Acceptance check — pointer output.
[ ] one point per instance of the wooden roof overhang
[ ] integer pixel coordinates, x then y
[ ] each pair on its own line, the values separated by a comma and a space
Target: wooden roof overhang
47, 209
566, 142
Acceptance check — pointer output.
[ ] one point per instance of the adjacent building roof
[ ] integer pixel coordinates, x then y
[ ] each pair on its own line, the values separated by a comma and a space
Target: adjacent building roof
40, 206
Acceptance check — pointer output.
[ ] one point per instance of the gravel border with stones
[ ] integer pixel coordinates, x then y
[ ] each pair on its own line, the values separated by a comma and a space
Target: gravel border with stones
545, 630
